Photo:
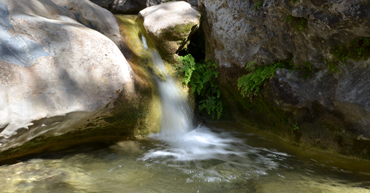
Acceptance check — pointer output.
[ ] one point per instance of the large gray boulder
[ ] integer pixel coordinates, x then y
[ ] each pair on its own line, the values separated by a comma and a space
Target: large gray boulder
331, 109
170, 25
60, 70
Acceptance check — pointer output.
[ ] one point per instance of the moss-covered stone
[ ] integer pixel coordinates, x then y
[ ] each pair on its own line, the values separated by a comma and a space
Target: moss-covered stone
140, 61
274, 112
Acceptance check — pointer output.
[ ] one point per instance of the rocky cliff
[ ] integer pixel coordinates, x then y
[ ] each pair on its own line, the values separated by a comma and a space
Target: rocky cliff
323, 100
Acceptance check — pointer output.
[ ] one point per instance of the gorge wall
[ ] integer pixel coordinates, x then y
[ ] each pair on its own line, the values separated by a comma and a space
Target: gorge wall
328, 110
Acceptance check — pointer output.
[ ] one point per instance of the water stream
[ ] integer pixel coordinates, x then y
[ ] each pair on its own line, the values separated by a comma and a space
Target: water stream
183, 158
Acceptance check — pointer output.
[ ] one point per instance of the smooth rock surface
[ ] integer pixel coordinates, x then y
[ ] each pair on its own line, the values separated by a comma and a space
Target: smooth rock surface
56, 70
170, 25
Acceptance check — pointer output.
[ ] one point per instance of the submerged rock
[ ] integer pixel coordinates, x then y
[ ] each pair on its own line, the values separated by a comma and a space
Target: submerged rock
329, 111
170, 25
63, 77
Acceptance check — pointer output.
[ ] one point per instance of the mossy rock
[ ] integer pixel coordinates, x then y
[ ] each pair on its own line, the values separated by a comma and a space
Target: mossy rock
314, 127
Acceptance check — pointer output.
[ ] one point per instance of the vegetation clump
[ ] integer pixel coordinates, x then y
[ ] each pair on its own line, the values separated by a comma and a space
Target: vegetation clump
306, 70
258, 5
201, 77
250, 84
296, 23
293, 1
358, 49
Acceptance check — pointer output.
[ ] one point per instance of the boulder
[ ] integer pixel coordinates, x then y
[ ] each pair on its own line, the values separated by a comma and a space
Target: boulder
63, 77
132, 6
331, 110
170, 25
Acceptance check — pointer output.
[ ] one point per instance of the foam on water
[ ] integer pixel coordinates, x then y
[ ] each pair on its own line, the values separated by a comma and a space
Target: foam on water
198, 144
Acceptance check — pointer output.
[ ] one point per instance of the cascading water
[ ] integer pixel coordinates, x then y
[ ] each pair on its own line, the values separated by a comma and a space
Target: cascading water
186, 142
176, 118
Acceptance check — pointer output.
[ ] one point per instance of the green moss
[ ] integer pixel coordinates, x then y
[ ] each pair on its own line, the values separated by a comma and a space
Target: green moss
258, 113
258, 5
306, 70
316, 128
297, 24
130, 32
251, 83
358, 49
183, 29
294, 1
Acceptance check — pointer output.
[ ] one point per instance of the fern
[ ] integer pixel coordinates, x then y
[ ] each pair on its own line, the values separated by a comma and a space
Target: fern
201, 78
188, 68
251, 83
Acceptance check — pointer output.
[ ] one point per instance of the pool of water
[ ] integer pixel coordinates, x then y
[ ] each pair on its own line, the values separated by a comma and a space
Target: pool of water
217, 158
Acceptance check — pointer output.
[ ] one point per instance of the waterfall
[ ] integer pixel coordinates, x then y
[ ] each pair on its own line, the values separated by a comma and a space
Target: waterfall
177, 114
184, 141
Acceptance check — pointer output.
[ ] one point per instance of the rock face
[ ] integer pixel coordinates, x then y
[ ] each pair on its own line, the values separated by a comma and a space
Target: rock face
170, 25
59, 75
331, 110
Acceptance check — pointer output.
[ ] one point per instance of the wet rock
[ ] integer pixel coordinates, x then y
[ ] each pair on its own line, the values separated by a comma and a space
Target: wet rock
170, 25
